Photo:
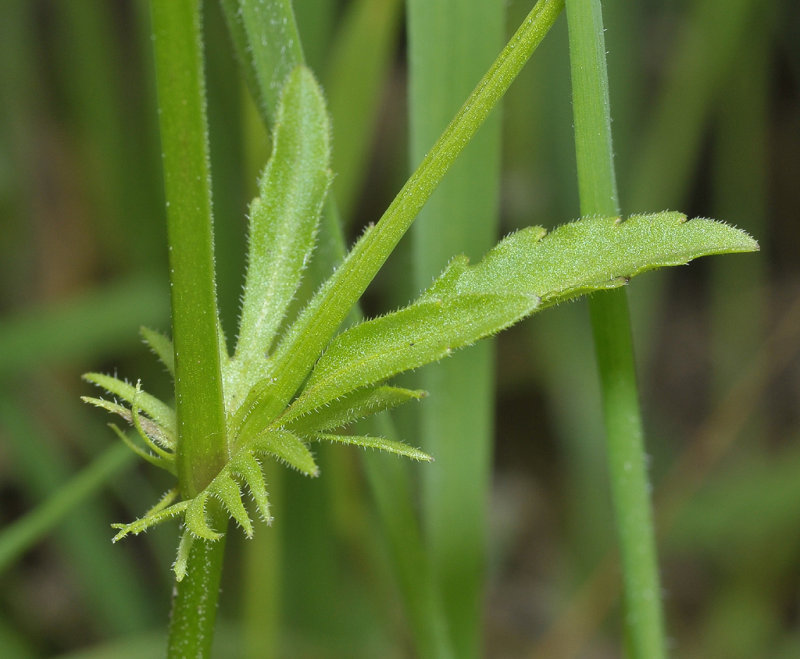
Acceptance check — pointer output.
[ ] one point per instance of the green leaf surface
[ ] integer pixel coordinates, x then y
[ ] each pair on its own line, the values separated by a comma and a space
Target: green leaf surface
417, 335
287, 447
283, 219
523, 273
587, 255
347, 409
388, 445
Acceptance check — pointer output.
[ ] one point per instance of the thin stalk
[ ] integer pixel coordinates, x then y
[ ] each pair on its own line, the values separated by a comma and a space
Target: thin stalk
119, 601
25, 532
613, 342
451, 42
202, 447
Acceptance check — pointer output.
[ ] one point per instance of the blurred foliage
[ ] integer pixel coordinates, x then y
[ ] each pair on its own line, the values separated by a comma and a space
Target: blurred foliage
705, 96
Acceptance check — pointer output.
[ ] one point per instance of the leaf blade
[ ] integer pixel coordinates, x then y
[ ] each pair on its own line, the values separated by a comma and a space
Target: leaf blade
344, 411
284, 218
523, 273
380, 443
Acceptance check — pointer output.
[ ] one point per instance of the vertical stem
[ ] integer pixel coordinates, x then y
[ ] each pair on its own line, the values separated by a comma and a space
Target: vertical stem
202, 449
194, 608
451, 43
181, 96
613, 344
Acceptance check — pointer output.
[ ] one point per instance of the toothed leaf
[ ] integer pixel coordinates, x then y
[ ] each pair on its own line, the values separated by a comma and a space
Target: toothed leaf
590, 254
399, 448
523, 273
284, 218
161, 345
287, 447
161, 413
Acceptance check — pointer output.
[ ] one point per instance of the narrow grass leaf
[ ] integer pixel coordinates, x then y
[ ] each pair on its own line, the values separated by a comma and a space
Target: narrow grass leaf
357, 68
388, 445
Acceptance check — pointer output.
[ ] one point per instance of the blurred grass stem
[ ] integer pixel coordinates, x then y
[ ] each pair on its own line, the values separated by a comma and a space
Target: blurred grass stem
613, 341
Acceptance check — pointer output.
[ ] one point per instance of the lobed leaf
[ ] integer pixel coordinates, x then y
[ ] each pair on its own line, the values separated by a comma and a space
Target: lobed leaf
523, 273
590, 254
284, 218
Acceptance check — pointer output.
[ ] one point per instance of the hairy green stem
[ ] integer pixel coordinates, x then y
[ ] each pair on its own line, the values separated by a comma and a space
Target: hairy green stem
613, 341
194, 608
202, 447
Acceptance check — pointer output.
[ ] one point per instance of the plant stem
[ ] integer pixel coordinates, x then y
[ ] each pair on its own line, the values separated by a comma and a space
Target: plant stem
202, 447
202, 450
451, 42
194, 607
613, 343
